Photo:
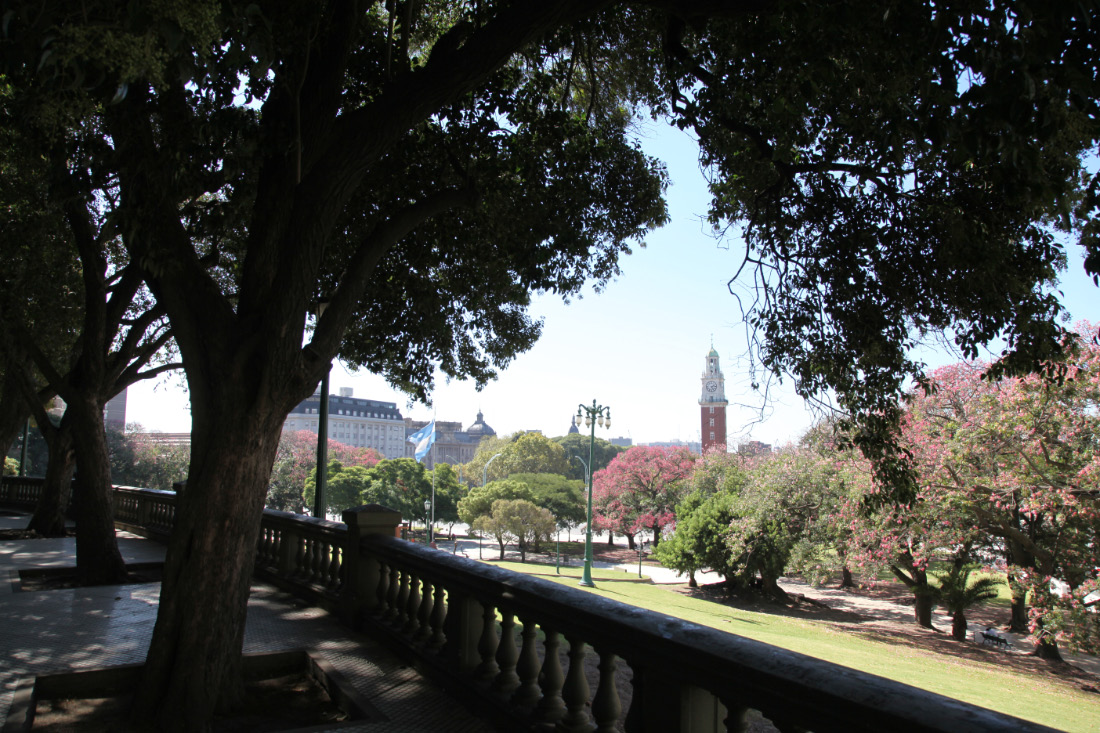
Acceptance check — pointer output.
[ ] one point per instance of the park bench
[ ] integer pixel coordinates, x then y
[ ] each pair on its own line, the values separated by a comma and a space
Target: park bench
994, 639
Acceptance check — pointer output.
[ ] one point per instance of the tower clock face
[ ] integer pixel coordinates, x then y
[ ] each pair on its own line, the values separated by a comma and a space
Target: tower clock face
712, 386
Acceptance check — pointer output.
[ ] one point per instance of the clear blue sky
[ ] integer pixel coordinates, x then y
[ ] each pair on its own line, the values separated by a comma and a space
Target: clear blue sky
638, 347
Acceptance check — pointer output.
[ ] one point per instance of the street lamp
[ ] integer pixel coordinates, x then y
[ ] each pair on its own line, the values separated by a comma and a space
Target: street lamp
452, 458
592, 415
322, 431
485, 469
427, 516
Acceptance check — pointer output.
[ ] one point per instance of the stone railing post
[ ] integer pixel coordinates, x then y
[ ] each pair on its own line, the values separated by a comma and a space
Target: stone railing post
290, 545
362, 575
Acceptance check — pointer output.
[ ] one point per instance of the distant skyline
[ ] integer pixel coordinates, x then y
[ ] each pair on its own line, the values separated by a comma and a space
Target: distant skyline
638, 347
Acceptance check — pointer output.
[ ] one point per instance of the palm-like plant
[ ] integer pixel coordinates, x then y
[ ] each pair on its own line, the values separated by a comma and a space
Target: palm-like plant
957, 594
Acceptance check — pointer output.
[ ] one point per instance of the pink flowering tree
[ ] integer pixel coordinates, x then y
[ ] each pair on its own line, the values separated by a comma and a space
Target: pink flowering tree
1018, 461
295, 461
639, 490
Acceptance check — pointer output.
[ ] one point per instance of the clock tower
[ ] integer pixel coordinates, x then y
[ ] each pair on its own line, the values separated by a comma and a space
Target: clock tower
712, 405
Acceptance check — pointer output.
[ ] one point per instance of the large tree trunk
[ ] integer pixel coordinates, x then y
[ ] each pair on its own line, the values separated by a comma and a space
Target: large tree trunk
1019, 621
630, 540
98, 560
917, 581
770, 586
49, 513
922, 609
1046, 647
846, 578
958, 626
193, 666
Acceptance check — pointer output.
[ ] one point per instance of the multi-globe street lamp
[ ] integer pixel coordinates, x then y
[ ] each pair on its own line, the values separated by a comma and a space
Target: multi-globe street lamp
591, 415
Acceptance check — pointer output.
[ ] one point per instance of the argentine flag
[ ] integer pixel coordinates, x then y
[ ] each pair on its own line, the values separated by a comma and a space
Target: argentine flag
423, 439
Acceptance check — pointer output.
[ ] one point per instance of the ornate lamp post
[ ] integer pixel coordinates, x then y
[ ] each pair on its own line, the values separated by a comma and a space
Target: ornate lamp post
322, 432
592, 415
428, 512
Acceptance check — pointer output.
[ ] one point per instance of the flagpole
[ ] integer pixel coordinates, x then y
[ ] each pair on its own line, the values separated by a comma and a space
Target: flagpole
424, 440
431, 527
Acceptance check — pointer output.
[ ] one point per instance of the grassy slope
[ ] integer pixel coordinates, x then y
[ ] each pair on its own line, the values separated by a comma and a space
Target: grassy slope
1041, 700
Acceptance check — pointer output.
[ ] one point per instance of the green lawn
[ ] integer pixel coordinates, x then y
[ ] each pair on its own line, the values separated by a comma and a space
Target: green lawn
1039, 699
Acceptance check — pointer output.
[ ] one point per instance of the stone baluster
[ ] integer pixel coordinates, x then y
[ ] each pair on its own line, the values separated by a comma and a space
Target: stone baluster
278, 537
462, 627
412, 607
309, 559
394, 594
144, 515
288, 552
424, 613
507, 655
551, 707
402, 603
575, 692
701, 710
382, 593
263, 552
487, 645
527, 694
300, 556
332, 579
440, 611
321, 562
606, 706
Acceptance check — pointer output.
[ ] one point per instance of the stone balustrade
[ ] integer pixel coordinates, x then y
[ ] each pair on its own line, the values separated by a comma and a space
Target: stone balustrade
531, 654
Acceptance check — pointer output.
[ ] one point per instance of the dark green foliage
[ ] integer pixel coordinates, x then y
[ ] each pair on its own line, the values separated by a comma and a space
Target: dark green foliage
895, 170
479, 502
400, 484
563, 497
344, 488
578, 444
699, 542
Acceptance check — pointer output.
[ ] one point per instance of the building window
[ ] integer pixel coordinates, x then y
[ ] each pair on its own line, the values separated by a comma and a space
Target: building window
711, 410
712, 436
712, 422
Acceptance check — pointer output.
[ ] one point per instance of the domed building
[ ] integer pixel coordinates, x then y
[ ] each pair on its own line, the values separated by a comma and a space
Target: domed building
480, 429
452, 444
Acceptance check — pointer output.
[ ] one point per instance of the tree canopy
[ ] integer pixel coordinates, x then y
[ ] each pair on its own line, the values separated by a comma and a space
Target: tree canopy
639, 490
894, 171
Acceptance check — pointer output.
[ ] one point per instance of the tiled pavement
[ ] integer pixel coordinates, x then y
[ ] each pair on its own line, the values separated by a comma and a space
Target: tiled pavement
89, 628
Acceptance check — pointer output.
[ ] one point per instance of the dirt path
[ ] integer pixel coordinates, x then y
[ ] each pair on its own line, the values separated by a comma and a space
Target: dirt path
885, 613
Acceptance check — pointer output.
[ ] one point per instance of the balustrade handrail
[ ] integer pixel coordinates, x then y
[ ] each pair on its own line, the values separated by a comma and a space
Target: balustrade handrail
809, 692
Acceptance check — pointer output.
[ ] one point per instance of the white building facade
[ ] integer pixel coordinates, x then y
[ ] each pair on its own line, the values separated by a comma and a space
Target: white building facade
353, 421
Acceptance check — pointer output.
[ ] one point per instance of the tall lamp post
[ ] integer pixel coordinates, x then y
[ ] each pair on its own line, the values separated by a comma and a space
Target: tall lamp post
592, 415
322, 432
484, 477
485, 468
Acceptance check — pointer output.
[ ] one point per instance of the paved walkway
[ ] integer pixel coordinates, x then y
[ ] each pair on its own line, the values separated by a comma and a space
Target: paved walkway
90, 628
